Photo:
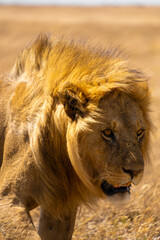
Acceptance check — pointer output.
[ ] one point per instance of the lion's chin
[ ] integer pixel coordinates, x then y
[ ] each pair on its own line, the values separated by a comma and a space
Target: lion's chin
120, 199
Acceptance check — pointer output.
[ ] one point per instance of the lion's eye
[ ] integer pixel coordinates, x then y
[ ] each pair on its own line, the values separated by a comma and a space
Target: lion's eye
108, 134
140, 133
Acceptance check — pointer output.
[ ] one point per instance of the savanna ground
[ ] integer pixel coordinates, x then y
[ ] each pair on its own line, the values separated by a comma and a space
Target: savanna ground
136, 30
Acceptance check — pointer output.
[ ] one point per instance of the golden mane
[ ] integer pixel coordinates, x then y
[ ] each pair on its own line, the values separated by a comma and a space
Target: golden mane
46, 66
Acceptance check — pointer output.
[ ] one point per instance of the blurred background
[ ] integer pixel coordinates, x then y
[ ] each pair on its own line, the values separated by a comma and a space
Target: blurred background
83, 2
133, 26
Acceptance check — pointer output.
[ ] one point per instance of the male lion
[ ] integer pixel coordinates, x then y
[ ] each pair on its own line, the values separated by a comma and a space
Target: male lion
74, 127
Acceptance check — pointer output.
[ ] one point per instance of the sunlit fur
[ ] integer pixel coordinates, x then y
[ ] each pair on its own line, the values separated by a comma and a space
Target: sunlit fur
48, 72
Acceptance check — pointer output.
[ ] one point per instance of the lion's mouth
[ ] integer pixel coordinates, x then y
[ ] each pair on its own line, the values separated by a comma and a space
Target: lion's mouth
111, 190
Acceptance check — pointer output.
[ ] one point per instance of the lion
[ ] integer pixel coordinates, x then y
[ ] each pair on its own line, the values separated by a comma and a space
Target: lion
74, 128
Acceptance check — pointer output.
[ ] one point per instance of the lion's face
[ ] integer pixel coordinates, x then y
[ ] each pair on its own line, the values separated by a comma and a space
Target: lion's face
110, 148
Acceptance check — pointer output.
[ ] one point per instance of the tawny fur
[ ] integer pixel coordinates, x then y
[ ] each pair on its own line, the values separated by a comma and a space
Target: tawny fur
53, 105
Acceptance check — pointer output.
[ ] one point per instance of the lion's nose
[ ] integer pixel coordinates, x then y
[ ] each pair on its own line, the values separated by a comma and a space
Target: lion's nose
132, 173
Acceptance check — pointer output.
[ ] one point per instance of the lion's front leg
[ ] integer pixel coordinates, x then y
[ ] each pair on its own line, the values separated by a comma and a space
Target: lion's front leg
15, 221
55, 229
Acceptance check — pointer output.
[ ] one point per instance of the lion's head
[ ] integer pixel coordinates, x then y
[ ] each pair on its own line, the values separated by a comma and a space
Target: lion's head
100, 118
107, 140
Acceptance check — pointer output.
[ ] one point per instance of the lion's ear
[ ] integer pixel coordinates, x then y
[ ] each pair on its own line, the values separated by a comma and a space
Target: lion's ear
74, 101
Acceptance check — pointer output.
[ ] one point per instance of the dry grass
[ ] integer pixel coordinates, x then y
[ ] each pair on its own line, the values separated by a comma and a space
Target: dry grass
137, 30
